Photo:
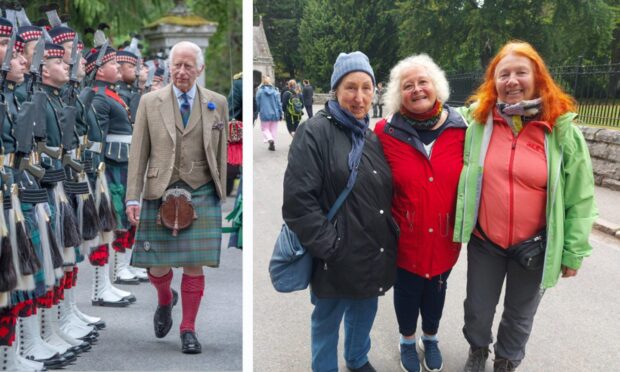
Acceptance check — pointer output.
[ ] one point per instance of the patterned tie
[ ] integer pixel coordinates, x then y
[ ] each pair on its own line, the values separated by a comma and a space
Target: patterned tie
185, 109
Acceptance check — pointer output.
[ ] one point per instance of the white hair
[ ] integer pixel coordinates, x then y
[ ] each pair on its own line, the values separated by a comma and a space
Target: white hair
200, 59
392, 96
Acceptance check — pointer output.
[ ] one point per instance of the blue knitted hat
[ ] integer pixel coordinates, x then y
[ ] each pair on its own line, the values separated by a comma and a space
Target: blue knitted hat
347, 63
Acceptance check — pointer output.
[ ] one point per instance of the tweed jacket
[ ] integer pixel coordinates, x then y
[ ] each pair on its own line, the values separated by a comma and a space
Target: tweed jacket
154, 140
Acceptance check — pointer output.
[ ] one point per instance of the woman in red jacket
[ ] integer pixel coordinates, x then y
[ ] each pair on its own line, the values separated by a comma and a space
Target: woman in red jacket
423, 143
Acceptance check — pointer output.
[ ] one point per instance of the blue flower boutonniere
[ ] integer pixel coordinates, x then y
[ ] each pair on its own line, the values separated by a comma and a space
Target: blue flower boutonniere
211, 106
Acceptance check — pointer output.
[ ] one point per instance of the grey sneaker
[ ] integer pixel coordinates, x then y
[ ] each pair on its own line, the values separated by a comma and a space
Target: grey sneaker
504, 365
476, 359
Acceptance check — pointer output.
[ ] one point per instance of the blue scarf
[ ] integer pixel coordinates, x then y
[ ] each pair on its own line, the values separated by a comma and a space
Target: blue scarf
357, 128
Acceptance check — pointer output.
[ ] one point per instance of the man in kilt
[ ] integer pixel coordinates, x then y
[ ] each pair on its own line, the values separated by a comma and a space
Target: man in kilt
179, 144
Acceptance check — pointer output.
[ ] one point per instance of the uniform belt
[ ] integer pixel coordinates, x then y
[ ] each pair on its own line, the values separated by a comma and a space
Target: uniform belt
95, 147
72, 187
123, 138
53, 176
8, 160
33, 196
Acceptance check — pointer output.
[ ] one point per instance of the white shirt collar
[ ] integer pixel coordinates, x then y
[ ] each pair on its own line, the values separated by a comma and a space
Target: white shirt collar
190, 93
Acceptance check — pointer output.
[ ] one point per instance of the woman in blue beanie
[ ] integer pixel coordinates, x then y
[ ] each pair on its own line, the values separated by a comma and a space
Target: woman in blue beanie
354, 253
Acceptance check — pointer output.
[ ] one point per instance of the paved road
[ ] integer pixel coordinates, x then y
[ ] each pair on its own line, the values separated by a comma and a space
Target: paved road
128, 342
575, 330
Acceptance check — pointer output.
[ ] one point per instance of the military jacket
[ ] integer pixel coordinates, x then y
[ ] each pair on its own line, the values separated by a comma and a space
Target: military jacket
113, 116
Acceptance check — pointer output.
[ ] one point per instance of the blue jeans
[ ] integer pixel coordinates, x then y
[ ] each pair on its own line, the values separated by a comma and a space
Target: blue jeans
325, 323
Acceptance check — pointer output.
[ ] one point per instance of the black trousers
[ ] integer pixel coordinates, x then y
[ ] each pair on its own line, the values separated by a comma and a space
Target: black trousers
292, 122
309, 111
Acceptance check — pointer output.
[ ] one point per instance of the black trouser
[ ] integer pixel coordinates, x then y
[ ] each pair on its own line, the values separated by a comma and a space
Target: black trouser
309, 110
377, 111
292, 122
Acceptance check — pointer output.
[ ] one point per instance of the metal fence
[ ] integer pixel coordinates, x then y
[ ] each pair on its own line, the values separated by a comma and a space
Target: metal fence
595, 88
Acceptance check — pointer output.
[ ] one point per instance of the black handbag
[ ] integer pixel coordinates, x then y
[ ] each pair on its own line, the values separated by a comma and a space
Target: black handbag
530, 253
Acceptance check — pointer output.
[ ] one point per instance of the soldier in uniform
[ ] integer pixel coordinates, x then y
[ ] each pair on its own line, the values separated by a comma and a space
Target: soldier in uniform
112, 114
126, 89
28, 211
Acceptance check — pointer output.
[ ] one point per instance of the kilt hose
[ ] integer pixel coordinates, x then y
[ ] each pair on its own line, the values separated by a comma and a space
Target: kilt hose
198, 245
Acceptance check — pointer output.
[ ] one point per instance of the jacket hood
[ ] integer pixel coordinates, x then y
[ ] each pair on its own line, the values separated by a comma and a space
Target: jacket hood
269, 90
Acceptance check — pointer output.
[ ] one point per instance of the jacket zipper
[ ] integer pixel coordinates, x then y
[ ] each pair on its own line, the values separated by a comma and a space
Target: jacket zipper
511, 190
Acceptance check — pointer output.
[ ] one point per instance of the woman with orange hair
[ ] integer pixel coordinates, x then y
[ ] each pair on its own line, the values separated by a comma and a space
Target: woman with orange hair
525, 201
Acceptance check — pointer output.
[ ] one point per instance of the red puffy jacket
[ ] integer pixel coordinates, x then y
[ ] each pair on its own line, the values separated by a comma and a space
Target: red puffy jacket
425, 190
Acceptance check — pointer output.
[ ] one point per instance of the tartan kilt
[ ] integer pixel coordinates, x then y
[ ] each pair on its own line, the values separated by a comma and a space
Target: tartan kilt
198, 245
116, 175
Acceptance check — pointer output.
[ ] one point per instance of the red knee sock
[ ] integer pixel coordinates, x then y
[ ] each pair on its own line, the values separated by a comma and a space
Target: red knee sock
162, 285
192, 288
7, 327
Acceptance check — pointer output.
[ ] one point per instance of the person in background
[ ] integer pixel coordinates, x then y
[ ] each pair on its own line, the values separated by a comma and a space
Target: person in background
292, 110
269, 110
377, 101
355, 254
526, 182
308, 95
423, 142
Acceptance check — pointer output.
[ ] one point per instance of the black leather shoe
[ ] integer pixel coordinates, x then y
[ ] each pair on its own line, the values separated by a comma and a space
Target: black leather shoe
189, 343
162, 321
101, 302
131, 298
100, 324
56, 361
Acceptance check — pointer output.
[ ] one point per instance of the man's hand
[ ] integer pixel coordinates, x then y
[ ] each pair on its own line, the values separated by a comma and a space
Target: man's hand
567, 272
133, 214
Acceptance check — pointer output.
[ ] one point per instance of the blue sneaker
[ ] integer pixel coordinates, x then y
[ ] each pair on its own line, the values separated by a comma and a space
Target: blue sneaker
409, 361
430, 355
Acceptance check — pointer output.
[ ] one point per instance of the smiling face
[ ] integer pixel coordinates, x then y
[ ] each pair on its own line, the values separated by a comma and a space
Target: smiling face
514, 79
354, 93
417, 90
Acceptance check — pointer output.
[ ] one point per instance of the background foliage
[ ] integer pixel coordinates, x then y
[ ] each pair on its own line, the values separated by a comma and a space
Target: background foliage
125, 17
461, 35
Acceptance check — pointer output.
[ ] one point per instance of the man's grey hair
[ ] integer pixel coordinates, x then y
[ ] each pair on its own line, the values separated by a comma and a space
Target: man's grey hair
392, 96
200, 59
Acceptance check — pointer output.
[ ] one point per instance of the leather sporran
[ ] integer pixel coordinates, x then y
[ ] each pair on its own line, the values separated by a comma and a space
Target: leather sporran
176, 211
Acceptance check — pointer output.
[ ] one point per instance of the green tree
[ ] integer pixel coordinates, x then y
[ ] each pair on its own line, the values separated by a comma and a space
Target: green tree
465, 34
281, 21
125, 17
329, 28
223, 57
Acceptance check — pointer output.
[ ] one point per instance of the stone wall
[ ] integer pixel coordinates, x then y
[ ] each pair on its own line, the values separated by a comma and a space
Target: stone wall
604, 145
320, 98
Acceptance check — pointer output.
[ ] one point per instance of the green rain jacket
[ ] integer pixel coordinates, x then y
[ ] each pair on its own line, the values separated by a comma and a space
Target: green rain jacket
570, 207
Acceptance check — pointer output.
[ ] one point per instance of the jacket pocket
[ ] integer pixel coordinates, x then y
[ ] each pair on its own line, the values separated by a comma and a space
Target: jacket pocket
152, 172
200, 164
